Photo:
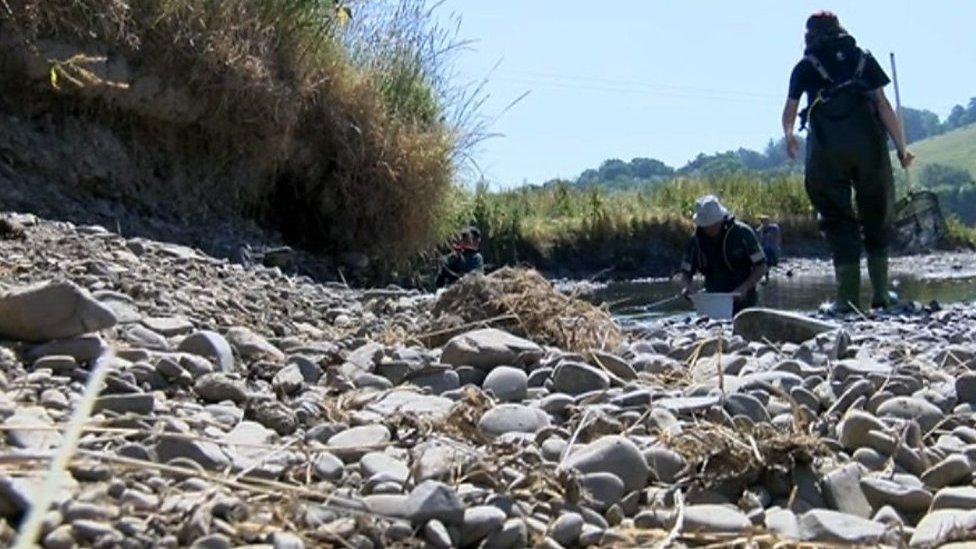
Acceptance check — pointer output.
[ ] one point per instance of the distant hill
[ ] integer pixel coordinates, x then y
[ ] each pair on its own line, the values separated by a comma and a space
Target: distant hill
956, 149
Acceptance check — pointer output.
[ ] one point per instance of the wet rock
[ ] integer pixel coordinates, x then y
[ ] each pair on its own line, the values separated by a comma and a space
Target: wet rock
54, 310
759, 324
211, 346
512, 418
576, 378
612, 454
507, 384
488, 348
822, 525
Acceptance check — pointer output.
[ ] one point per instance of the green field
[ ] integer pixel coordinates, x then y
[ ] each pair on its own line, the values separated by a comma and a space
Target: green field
956, 149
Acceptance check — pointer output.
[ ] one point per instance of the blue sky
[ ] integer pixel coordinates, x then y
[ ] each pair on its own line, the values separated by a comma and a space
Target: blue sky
669, 79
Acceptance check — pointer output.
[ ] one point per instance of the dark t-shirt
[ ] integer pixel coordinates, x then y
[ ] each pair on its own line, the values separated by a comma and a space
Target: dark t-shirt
840, 63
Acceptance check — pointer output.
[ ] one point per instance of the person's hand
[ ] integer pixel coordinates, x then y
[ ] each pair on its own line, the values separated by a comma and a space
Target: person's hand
686, 293
738, 296
792, 147
906, 158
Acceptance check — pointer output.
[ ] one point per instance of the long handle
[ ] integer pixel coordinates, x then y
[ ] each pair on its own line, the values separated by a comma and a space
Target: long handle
901, 114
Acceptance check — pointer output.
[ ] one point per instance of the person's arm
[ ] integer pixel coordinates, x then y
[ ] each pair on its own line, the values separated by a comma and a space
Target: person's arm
750, 242
790, 109
893, 126
756, 276
685, 277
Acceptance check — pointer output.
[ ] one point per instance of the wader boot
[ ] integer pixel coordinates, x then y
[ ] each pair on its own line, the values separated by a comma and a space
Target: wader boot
848, 290
882, 297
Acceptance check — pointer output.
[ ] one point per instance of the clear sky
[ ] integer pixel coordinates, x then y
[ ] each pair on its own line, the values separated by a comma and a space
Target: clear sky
669, 79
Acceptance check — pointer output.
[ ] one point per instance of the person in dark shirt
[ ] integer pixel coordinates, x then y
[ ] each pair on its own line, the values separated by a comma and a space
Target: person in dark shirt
465, 258
726, 252
847, 153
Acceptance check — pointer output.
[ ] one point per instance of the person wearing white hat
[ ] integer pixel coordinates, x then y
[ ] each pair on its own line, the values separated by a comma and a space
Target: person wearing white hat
726, 252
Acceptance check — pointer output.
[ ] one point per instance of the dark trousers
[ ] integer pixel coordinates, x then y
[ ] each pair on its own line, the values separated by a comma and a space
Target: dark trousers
850, 183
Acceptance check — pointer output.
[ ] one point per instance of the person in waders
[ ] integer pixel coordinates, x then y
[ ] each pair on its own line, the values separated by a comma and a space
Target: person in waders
726, 252
848, 116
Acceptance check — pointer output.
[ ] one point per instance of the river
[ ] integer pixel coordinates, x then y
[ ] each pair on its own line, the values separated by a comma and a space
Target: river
630, 300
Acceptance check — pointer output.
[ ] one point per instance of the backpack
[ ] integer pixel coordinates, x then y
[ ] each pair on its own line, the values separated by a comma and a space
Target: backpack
838, 101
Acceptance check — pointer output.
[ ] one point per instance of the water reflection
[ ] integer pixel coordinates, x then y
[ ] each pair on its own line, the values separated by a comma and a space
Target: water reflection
803, 293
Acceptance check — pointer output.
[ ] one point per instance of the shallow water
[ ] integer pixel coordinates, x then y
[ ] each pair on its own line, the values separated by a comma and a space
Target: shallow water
637, 299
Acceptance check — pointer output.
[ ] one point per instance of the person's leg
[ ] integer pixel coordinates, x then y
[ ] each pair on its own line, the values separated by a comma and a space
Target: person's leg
829, 187
875, 197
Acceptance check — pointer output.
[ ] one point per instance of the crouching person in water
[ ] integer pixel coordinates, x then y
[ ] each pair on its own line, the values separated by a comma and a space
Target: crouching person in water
726, 252
465, 258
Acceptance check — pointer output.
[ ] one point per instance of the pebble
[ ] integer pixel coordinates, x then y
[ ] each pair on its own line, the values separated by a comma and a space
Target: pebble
507, 384
951, 470
217, 387
822, 525
434, 500
575, 378
612, 454
512, 418
567, 529
480, 522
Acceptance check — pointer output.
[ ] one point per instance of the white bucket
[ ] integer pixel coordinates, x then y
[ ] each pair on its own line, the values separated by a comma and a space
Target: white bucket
715, 306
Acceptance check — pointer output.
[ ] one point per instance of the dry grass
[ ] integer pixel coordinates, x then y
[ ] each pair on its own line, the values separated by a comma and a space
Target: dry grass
262, 103
716, 453
524, 303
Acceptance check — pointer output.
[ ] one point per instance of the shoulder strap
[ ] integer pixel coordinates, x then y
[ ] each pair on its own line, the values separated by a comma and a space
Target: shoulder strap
812, 59
861, 63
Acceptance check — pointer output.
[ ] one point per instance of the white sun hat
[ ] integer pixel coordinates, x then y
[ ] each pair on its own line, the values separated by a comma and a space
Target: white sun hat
709, 211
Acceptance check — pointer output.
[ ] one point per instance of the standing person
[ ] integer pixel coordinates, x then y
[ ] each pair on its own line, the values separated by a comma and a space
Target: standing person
463, 259
847, 153
771, 239
726, 252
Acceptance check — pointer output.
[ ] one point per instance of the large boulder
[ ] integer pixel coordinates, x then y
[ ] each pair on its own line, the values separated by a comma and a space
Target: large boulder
778, 326
488, 348
54, 310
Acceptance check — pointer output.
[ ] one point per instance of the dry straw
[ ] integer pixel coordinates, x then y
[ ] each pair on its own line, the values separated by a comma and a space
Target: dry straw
524, 303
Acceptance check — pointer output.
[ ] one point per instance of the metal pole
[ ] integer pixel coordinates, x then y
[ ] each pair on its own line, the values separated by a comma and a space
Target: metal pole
901, 114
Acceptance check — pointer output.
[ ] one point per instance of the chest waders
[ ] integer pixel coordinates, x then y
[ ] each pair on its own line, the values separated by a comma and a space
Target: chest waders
850, 183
